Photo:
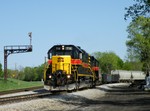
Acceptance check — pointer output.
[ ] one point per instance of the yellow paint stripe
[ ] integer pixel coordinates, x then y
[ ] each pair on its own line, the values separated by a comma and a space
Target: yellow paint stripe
85, 75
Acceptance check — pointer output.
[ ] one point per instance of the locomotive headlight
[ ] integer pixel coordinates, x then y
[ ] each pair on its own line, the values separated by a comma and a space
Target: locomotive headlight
68, 76
50, 76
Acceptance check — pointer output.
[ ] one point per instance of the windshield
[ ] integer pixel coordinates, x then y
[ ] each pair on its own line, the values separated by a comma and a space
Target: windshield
62, 53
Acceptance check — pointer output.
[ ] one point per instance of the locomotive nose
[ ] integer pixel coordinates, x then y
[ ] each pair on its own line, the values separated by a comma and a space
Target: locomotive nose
61, 64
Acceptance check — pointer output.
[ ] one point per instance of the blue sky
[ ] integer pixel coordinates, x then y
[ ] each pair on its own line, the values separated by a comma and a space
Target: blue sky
95, 25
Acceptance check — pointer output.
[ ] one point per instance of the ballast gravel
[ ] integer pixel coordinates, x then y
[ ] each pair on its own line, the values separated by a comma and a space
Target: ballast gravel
67, 101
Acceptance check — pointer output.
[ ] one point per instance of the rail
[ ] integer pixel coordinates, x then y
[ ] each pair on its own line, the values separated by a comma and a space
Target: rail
25, 97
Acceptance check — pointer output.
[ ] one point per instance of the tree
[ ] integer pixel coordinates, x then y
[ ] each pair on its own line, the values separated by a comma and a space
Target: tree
29, 74
21, 75
140, 8
135, 65
139, 40
132, 61
40, 72
1, 71
108, 61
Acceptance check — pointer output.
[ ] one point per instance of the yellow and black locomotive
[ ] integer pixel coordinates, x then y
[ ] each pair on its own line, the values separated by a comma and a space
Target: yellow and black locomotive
70, 67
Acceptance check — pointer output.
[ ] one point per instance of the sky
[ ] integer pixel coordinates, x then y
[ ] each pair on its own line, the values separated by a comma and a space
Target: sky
94, 25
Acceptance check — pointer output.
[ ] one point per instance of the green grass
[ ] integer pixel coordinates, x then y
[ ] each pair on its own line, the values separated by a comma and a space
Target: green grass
12, 84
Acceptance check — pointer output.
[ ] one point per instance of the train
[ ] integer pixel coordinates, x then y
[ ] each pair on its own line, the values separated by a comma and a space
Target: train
69, 67
117, 76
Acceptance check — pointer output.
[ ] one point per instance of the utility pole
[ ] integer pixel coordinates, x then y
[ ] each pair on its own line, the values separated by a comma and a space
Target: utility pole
14, 49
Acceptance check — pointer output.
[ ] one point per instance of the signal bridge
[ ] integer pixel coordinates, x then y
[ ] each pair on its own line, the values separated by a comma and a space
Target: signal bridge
14, 49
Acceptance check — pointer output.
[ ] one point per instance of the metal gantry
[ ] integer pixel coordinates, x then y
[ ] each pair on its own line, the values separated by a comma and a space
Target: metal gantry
14, 49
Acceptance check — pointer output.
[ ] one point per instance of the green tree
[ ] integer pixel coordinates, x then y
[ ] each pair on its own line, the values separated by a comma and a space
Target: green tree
21, 74
140, 8
108, 61
132, 61
136, 65
1, 71
40, 72
29, 74
35, 73
139, 40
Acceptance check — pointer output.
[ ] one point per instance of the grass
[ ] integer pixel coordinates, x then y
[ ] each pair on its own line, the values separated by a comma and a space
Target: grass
12, 84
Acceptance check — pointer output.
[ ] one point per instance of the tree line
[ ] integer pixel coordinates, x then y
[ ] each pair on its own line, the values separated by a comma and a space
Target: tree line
107, 61
25, 74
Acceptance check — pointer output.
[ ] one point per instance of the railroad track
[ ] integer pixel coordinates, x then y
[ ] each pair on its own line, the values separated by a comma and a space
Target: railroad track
43, 93
20, 90
13, 99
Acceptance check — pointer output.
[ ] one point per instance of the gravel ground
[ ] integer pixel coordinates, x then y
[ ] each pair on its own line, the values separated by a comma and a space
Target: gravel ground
112, 97
69, 101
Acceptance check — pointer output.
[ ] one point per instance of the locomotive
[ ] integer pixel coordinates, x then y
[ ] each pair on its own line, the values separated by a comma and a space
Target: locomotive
70, 67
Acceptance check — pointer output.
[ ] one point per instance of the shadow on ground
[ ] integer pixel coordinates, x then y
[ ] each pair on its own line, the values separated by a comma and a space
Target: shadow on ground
124, 99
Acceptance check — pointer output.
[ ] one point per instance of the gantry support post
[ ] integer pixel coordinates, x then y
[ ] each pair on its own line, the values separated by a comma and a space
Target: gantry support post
5, 64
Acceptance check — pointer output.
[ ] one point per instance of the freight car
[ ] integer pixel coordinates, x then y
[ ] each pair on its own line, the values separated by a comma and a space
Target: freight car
129, 76
70, 67
109, 78
123, 76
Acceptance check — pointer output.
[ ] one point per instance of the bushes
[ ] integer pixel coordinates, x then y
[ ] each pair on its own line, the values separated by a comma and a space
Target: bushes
27, 73
32, 73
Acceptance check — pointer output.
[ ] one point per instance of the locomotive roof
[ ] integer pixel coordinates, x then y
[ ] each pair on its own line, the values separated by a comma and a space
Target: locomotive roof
77, 47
